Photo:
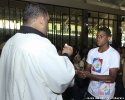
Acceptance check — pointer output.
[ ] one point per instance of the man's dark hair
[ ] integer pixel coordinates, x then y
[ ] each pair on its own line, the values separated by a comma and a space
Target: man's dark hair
106, 30
33, 11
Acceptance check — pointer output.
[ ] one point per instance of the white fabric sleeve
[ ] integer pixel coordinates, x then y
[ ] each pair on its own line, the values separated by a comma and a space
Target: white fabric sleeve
114, 61
57, 71
89, 57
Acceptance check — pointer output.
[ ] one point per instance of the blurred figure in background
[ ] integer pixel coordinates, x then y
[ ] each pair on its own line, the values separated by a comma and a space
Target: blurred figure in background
119, 84
81, 85
123, 79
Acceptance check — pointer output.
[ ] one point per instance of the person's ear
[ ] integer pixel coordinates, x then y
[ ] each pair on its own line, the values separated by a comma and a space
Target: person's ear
41, 20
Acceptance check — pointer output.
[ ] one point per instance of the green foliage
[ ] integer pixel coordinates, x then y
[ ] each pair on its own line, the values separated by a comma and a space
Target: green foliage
123, 37
92, 30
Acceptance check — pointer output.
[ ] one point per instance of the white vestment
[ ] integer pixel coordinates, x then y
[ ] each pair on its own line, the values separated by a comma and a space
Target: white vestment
31, 69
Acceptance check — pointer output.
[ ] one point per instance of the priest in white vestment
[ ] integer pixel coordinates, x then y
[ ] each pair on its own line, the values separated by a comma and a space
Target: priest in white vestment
30, 67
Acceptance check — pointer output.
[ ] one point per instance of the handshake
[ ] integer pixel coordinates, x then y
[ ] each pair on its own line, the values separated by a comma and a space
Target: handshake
83, 74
